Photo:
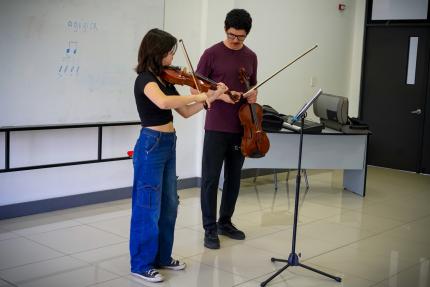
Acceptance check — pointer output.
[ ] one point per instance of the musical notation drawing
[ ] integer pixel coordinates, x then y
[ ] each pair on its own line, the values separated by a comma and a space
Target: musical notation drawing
73, 48
69, 65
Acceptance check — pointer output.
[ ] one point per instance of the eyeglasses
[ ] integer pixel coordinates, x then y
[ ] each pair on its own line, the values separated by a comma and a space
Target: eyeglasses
238, 37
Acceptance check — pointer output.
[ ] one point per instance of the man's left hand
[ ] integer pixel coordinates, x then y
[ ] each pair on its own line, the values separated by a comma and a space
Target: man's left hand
251, 97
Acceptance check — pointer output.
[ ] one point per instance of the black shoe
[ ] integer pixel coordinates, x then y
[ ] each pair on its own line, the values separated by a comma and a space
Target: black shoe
150, 275
211, 239
228, 229
174, 265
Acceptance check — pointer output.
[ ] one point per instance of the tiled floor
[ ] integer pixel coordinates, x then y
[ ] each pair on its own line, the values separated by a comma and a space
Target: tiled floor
380, 240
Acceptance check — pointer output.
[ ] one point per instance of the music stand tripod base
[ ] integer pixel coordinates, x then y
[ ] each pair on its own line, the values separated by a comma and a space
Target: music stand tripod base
293, 258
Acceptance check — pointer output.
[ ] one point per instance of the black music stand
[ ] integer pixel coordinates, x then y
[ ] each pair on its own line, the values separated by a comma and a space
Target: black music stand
293, 258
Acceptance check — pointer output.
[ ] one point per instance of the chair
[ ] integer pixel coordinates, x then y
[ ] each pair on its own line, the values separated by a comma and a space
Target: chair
275, 176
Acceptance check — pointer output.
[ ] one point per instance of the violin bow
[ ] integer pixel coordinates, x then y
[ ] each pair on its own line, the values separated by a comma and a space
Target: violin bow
280, 70
190, 66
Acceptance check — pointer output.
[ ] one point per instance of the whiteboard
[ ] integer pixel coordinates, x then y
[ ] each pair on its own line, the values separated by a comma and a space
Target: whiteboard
71, 61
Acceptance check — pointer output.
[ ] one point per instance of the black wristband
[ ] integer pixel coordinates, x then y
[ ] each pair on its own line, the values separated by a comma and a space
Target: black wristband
205, 105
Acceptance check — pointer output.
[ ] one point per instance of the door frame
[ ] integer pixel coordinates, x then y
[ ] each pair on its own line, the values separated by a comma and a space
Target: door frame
423, 154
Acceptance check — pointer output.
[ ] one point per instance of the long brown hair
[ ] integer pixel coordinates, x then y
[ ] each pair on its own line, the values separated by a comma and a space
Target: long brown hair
154, 47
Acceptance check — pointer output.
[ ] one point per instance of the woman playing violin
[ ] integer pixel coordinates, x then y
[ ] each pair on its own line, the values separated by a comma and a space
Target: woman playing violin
155, 198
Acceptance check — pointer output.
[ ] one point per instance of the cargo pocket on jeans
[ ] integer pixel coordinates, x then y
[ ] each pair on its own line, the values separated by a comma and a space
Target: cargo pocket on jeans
147, 196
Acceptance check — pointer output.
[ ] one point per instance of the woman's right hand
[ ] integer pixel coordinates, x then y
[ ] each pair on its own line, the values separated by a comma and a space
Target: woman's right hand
202, 97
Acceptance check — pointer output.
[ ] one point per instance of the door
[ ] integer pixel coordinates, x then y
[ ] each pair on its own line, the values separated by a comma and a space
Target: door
425, 162
394, 95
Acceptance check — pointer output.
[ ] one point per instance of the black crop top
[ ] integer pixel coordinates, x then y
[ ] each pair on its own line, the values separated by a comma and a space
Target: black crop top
149, 113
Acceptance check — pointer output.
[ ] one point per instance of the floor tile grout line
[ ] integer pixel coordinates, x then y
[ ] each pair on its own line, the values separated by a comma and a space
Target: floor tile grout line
346, 273
60, 228
406, 269
107, 231
73, 226
65, 253
318, 203
217, 268
105, 281
57, 273
19, 236
347, 209
390, 218
351, 243
342, 246
98, 261
66, 227
35, 262
97, 248
43, 232
46, 246
8, 282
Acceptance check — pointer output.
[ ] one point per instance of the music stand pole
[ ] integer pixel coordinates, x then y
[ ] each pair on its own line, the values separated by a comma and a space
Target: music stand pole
293, 258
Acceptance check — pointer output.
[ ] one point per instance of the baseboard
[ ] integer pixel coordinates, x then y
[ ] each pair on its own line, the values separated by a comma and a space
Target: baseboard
58, 203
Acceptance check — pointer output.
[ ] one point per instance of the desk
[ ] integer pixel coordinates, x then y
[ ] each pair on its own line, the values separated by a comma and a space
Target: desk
327, 150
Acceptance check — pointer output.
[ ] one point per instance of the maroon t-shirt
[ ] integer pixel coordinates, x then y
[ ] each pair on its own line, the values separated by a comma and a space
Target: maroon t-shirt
222, 64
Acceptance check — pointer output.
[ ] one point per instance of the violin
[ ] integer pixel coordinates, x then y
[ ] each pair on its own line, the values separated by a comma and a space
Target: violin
178, 76
255, 143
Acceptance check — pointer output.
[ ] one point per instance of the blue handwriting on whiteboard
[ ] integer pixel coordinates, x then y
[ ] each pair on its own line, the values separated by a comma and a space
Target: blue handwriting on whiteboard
81, 26
69, 65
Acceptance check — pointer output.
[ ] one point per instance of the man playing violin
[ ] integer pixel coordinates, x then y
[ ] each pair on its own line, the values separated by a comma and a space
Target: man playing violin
223, 131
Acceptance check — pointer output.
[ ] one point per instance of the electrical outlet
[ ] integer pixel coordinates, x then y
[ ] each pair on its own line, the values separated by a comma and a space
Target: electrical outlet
312, 81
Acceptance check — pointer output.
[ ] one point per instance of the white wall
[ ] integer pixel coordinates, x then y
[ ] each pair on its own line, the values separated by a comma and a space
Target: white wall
282, 29
189, 28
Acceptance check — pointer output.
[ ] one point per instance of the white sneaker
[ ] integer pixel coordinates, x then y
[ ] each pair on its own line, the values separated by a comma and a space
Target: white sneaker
175, 265
150, 275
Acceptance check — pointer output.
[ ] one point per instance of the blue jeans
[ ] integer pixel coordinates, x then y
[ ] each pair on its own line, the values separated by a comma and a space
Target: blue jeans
154, 200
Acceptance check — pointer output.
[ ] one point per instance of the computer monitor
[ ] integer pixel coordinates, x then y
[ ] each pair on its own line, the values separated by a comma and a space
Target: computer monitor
332, 108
